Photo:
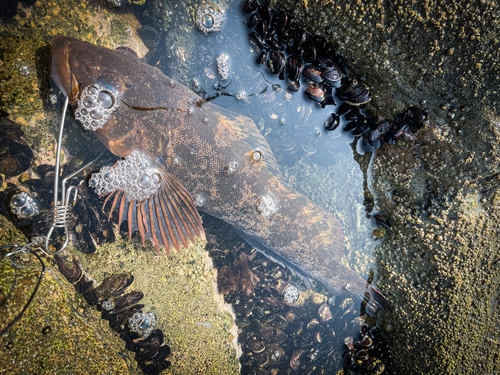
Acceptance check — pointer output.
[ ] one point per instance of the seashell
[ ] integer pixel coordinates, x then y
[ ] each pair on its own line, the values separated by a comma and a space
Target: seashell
310, 52
313, 324
381, 219
293, 68
331, 71
261, 29
127, 300
343, 109
113, 286
295, 359
276, 62
353, 92
293, 86
280, 21
313, 74
315, 91
72, 274
256, 346
382, 128
333, 122
273, 43
324, 312
265, 13
256, 40
262, 57
15, 154
250, 6
253, 20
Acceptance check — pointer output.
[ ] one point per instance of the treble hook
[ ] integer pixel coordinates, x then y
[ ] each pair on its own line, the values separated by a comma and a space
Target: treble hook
63, 208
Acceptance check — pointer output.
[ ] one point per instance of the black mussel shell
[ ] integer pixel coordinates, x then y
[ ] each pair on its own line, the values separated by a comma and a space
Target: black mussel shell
310, 53
312, 73
250, 6
256, 40
293, 68
72, 274
362, 127
351, 125
280, 21
296, 38
343, 109
294, 86
261, 29
352, 114
315, 91
253, 20
127, 300
415, 116
381, 219
368, 145
382, 128
331, 73
354, 92
273, 43
262, 57
265, 13
276, 62
15, 154
333, 122
113, 285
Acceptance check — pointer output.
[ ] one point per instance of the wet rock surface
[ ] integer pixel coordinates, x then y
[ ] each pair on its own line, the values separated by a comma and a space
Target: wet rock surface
58, 330
439, 263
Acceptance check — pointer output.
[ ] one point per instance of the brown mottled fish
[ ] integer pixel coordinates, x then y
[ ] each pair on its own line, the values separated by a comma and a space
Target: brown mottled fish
182, 153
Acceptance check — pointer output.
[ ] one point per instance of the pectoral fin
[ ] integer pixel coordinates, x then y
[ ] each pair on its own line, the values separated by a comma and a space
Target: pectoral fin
151, 200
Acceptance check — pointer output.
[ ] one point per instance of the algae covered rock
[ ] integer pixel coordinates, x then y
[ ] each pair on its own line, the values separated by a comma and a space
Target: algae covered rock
58, 332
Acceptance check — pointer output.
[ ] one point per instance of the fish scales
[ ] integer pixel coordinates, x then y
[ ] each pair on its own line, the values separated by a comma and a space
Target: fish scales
218, 156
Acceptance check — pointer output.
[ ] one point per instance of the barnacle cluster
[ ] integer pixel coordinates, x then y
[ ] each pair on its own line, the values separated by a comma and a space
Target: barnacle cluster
135, 176
121, 308
95, 106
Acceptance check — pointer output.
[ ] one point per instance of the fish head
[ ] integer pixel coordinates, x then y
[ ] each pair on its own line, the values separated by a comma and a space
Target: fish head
77, 65
99, 83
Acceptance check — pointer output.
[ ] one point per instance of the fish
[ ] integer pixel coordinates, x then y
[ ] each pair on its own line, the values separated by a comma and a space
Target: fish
182, 154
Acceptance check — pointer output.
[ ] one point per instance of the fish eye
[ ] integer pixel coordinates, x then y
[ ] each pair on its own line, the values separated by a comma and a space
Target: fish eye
106, 99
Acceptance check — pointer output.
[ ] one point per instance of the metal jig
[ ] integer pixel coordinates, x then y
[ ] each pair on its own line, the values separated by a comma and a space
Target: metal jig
63, 207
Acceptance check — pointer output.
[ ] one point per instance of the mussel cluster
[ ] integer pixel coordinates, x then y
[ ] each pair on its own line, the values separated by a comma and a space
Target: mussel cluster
292, 54
301, 58
387, 131
370, 355
121, 308
281, 328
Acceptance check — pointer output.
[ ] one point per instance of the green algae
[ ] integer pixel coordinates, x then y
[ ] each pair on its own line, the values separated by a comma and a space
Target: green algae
180, 289
58, 330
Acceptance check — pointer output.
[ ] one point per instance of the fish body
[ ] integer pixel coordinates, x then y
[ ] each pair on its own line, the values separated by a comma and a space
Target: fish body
211, 158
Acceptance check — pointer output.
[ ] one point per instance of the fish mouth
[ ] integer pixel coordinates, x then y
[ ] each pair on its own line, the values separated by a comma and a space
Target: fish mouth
61, 69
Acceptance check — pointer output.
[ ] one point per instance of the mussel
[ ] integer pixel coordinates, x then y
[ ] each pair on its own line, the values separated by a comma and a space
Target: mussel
276, 62
313, 73
353, 92
333, 122
293, 68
